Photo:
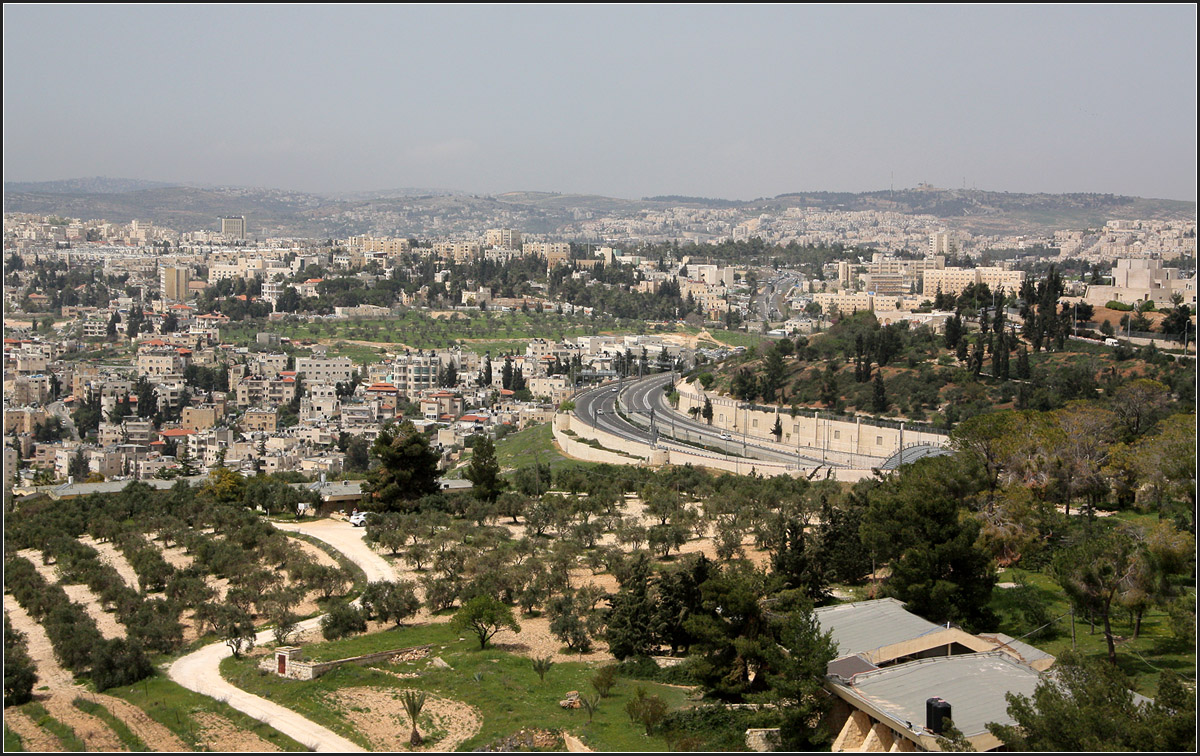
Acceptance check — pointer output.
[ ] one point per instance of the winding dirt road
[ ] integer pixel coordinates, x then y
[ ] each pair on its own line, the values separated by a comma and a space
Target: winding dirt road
199, 670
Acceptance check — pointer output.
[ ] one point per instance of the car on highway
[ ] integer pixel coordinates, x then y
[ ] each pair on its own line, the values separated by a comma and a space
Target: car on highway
613, 391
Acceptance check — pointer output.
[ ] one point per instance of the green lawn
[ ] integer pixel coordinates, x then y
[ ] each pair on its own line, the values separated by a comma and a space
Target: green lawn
172, 705
737, 338
1154, 650
501, 685
536, 444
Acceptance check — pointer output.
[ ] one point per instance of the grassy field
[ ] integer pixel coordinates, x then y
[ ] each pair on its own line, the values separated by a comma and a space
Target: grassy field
421, 331
531, 445
737, 338
501, 686
172, 705
1154, 650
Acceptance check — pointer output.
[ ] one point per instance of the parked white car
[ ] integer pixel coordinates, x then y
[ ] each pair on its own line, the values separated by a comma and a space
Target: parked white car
358, 519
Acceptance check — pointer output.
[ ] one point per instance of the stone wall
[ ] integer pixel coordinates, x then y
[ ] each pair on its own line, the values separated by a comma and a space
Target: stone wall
298, 669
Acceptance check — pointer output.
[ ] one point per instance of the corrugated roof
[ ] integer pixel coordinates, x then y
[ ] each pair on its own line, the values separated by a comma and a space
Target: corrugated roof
973, 684
868, 625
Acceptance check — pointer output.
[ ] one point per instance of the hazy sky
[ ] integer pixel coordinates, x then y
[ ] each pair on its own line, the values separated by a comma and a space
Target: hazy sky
628, 101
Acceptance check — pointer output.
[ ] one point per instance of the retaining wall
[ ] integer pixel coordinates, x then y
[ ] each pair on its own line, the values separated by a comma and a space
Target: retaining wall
296, 668
851, 443
672, 455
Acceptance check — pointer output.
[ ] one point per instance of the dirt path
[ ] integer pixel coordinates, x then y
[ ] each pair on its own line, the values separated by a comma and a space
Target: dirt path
111, 556
349, 540
33, 738
198, 672
48, 572
62, 689
317, 553
37, 643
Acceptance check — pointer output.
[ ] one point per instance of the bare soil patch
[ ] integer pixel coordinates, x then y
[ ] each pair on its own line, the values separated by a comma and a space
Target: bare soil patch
154, 735
93, 731
38, 645
380, 715
219, 734
107, 623
176, 556
34, 738
535, 639
111, 556
48, 572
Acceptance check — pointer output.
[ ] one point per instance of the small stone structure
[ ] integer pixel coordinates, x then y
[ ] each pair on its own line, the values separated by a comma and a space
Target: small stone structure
288, 661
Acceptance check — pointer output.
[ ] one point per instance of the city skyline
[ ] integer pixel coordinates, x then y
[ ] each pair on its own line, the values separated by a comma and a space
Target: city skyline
624, 102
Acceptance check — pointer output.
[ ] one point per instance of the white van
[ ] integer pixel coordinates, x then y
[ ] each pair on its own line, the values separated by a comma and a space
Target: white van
1111, 342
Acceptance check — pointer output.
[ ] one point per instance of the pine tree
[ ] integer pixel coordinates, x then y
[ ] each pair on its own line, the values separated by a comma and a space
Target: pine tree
880, 400
1023, 364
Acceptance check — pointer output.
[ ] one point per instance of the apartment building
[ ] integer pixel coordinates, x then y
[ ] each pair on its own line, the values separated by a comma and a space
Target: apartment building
458, 252
174, 283
234, 226
160, 361
558, 250
325, 370
270, 392
201, 418
845, 302
260, 420
320, 402
414, 372
507, 238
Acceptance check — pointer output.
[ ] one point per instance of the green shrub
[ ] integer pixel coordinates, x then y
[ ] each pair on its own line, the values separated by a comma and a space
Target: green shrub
342, 620
119, 662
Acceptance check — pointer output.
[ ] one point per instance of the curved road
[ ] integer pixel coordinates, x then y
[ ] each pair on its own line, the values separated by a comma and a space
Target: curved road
199, 670
597, 407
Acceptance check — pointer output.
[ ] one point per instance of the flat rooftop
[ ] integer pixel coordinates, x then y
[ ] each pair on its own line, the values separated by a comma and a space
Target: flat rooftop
867, 625
973, 684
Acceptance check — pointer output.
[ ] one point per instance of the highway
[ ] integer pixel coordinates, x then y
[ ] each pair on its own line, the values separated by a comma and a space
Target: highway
641, 396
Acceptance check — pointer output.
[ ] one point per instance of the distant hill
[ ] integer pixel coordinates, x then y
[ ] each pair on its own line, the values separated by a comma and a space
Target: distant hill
94, 185
433, 212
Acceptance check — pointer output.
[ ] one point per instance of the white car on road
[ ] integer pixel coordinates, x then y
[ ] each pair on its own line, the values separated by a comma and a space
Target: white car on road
358, 519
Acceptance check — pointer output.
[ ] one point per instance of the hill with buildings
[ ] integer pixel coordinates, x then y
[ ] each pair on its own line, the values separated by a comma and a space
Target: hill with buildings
417, 212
